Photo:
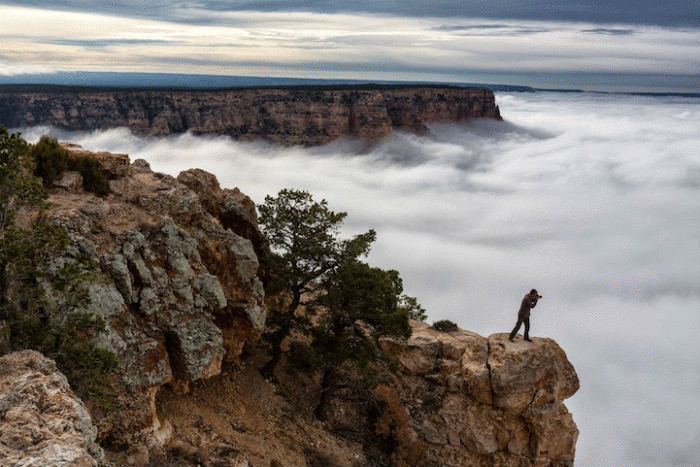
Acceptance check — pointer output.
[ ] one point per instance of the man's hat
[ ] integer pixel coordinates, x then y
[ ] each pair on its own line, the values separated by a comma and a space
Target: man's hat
533, 291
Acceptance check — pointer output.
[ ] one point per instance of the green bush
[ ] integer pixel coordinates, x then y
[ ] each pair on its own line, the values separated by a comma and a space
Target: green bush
18, 186
94, 178
445, 325
301, 358
51, 159
41, 302
43, 288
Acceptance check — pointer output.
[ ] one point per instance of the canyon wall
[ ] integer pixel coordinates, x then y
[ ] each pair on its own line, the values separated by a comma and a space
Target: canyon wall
289, 116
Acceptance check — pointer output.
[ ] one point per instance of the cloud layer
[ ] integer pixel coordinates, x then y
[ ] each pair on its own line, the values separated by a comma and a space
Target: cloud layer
592, 199
669, 13
308, 44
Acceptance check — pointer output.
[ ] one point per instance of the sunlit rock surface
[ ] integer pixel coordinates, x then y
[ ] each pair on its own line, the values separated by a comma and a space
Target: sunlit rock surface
487, 401
42, 422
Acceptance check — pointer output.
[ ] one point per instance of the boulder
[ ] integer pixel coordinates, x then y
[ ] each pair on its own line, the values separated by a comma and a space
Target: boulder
233, 209
69, 181
115, 165
42, 422
525, 374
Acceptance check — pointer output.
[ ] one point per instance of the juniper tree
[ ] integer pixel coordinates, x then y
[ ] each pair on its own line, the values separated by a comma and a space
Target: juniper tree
361, 304
304, 237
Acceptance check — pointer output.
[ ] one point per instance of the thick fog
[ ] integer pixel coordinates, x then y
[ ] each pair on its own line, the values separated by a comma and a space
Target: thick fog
592, 199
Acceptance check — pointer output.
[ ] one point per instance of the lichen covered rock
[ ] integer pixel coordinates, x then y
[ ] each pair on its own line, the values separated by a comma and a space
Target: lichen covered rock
182, 292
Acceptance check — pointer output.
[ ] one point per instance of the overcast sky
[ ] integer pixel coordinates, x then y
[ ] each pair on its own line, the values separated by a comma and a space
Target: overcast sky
643, 45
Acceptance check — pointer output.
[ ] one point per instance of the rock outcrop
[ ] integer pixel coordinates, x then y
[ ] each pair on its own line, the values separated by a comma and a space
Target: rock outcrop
290, 116
182, 293
487, 401
42, 422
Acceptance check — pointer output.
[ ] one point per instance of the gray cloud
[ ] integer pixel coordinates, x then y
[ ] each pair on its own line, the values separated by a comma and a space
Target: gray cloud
492, 29
670, 13
102, 43
585, 197
336, 46
610, 31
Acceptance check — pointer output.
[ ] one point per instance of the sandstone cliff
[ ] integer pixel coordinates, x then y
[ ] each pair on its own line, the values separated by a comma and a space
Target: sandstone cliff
184, 297
294, 115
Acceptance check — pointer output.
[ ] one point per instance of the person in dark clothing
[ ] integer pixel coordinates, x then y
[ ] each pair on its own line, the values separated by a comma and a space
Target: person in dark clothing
529, 302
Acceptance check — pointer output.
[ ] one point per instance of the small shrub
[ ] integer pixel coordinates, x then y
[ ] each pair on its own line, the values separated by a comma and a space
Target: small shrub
94, 178
51, 159
86, 366
445, 325
41, 302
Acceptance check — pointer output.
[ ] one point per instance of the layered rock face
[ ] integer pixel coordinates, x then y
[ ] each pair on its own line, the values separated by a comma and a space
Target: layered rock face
182, 292
290, 116
487, 401
42, 422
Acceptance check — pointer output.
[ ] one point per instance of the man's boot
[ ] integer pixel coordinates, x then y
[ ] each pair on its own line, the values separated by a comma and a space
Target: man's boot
528, 339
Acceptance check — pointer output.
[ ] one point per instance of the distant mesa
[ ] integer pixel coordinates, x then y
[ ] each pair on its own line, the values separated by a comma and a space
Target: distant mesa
292, 115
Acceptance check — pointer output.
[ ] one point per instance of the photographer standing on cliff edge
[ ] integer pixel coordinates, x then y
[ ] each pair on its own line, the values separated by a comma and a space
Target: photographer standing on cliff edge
529, 302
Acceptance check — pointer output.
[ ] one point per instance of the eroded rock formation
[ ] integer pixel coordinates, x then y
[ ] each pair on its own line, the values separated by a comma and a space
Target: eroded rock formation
42, 422
183, 293
487, 401
294, 115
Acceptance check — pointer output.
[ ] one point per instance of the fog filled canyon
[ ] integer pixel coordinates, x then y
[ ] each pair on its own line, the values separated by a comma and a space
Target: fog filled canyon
591, 198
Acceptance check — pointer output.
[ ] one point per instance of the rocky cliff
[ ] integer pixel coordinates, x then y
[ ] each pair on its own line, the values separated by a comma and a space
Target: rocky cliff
487, 401
183, 296
182, 293
290, 116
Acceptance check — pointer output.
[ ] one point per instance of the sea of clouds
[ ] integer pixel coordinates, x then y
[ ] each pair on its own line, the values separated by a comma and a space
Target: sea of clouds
593, 199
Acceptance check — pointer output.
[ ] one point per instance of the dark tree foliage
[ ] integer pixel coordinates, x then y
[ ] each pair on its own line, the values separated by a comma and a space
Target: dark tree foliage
43, 288
51, 159
43, 293
361, 303
94, 178
323, 290
304, 238
444, 325
357, 292
17, 185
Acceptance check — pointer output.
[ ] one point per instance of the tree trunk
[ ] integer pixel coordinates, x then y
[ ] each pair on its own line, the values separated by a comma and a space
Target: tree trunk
268, 371
276, 339
325, 388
